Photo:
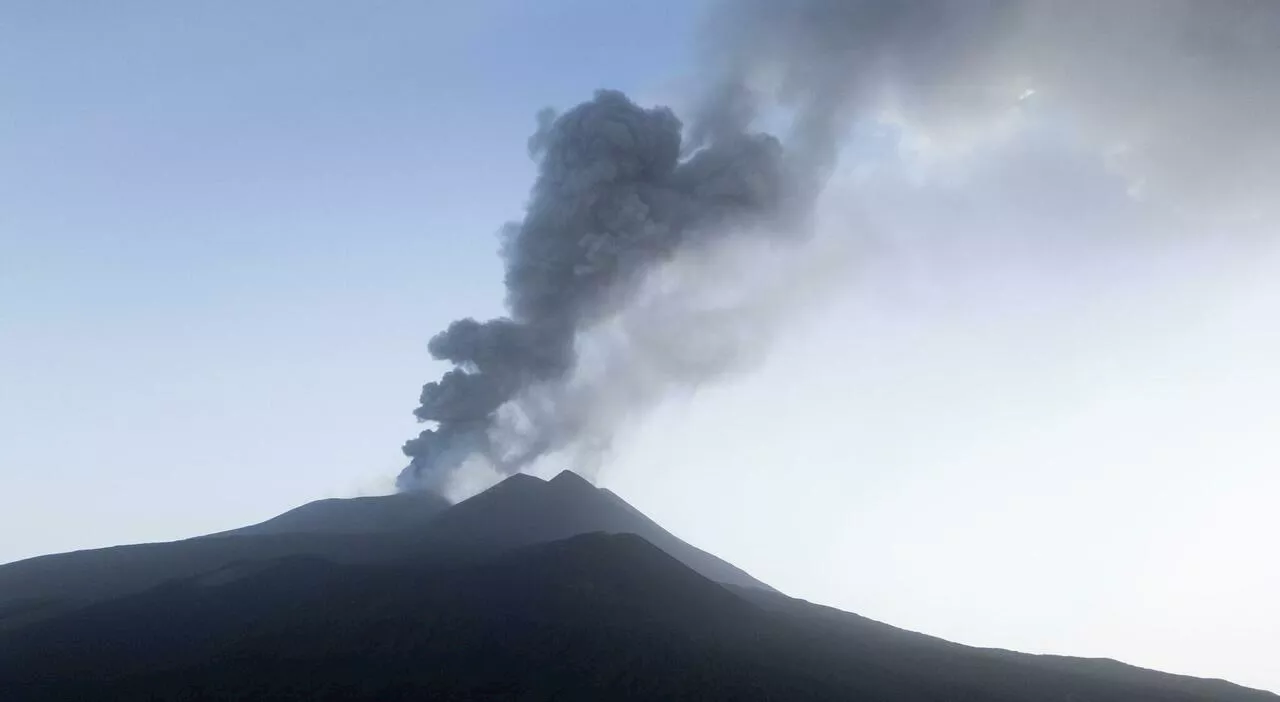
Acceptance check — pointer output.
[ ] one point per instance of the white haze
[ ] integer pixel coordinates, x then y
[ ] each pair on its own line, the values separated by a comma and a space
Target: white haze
1040, 415
1023, 387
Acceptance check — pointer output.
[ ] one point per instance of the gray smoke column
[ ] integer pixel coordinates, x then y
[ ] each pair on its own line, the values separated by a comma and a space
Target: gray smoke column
613, 198
614, 274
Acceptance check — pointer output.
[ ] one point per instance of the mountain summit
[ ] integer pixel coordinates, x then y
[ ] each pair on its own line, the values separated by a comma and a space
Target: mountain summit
518, 511
524, 510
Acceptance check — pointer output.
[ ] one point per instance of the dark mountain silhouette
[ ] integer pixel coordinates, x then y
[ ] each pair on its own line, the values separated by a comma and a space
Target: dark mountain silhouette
593, 617
532, 590
519, 511
356, 515
524, 510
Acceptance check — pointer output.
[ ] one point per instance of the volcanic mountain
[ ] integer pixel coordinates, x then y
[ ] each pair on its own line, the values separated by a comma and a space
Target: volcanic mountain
532, 590
519, 511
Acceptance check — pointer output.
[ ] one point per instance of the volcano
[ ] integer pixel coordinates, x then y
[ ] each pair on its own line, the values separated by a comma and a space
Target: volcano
519, 511
531, 590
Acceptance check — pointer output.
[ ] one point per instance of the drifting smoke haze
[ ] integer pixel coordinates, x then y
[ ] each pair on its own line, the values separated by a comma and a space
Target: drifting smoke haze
655, 256
1168, 91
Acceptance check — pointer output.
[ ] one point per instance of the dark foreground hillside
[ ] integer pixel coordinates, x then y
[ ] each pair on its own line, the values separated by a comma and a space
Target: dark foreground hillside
521, 510
594, 617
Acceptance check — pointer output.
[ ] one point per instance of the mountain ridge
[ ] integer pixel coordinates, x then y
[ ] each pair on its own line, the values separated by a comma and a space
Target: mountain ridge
595, 616
534, 589
518, 511
350, 515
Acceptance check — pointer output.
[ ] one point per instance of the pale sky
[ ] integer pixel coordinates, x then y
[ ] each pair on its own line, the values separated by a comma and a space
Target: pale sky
1016, 405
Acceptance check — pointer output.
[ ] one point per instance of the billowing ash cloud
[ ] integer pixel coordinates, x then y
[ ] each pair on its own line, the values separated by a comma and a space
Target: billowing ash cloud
613, 198
614, 277
1172, 92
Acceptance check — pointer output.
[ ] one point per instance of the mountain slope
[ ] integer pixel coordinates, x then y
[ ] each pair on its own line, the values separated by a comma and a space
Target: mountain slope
525, 510
903, 652
519, 511
355, 515
542, 620
45, 585
588, 618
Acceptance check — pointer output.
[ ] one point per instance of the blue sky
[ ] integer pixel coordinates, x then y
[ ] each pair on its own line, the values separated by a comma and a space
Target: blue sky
228, 230
225, 237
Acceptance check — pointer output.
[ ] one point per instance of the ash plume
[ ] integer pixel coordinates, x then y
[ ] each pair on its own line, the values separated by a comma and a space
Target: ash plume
1172, 93
613, 198
617, 287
